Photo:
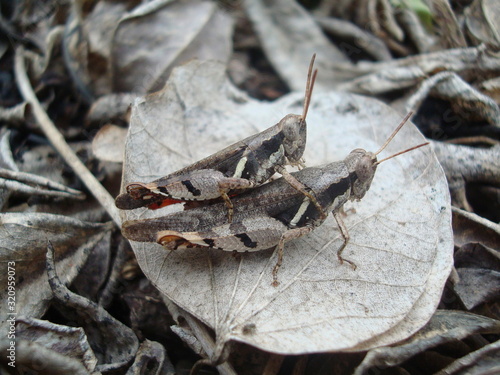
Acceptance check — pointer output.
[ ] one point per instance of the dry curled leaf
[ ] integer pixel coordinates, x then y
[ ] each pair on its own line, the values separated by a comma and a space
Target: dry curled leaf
290, 36
445, 326
383, 77
35, 358
359, 39
15, 115
482, 361
108, 143
151, 358
69, 342
110, 107
464, 164
468, 103
24, 239
33, 185
451, 33
400, 232
154, 37
76, 53
6, 162
481, 20
416, 32
114, 343
477, 260
471, 228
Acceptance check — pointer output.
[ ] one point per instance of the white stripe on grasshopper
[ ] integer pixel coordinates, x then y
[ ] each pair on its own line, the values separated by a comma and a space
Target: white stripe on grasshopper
194, 238
300, 212
240, 167
156, 191
199, 242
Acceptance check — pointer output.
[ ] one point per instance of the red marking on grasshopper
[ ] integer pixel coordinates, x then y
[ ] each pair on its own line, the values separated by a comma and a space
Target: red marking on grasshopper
164, 203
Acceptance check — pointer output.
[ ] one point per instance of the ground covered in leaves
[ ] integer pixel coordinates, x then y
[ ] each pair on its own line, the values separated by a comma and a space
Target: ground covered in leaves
78, 123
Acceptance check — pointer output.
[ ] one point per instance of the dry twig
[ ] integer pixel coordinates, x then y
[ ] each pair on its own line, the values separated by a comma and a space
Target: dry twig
58, 141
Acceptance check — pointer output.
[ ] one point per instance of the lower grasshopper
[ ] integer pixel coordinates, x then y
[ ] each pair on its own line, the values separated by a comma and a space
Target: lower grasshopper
240, 166
271, 214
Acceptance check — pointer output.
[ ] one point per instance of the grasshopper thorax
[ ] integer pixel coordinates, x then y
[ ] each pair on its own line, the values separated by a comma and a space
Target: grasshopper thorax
361, 165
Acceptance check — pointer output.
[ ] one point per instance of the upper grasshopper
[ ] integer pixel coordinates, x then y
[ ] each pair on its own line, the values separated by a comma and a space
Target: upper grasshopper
243, 165
271, 214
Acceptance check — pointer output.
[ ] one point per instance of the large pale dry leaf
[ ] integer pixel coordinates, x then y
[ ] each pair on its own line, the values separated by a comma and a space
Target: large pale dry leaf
23, 239
400, 232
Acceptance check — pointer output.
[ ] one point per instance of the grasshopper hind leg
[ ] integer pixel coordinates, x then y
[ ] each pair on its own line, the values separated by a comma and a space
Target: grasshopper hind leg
287, 236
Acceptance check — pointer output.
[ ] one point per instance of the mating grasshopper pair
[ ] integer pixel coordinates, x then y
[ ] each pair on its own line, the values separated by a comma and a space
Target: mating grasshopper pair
241, 166
261, 217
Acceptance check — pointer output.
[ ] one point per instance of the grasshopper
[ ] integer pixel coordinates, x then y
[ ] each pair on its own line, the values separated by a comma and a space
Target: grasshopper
241, 166
271, 214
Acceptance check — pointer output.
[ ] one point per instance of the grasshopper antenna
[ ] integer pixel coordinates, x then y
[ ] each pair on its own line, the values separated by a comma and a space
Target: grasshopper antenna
402, 152
394, 133
311, 78
390, 139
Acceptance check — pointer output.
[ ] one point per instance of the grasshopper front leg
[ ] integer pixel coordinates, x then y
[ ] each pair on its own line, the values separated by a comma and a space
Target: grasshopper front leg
290, 234
345, 236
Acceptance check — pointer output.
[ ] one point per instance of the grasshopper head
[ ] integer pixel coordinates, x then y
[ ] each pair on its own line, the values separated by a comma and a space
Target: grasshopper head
294, 142
362, 166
